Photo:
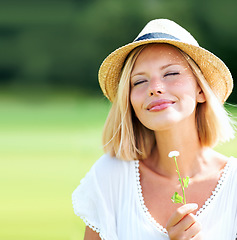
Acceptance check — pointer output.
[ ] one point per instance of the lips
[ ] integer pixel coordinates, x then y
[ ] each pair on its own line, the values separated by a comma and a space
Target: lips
159, 105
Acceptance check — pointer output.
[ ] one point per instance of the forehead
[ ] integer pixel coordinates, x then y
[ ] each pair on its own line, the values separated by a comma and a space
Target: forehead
160, 52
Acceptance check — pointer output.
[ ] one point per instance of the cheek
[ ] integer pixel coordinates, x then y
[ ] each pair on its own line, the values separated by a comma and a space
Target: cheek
135, 99
187, 104
185, 86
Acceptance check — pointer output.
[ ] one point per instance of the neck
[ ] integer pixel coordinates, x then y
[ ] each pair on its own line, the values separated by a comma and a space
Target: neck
187, 143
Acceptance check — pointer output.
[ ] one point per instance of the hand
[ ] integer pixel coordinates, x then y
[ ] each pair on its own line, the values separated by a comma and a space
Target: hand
183, 225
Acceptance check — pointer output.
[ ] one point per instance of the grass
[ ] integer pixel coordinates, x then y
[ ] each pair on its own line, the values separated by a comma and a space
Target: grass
47, 144
46, 147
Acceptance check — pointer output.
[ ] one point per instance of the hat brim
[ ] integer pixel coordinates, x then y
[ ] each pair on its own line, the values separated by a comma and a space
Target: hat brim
214, 69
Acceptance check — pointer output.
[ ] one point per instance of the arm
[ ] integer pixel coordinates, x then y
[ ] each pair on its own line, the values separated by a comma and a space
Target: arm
91, 235
183, 225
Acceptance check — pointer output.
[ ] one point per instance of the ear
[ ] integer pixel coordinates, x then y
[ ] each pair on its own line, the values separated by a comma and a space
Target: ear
200, 96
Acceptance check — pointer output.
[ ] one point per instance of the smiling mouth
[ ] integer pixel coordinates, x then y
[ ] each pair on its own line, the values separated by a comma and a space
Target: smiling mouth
159, 105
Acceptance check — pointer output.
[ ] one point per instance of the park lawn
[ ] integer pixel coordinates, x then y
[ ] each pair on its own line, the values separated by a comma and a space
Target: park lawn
46, 147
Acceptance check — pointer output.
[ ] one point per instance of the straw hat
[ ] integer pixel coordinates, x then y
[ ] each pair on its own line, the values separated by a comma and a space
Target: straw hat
165, 31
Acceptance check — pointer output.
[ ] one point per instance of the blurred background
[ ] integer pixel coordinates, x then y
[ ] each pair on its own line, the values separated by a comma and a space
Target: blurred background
51, 108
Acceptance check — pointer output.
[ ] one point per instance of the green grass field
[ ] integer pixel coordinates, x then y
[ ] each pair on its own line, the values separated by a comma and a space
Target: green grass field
47, 144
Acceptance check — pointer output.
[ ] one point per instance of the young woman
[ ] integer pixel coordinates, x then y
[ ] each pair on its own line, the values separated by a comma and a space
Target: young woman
167, 95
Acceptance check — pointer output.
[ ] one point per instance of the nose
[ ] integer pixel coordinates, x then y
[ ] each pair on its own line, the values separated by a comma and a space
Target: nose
156, 87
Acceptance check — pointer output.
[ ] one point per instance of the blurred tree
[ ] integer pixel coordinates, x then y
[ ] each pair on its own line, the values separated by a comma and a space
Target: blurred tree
62, 43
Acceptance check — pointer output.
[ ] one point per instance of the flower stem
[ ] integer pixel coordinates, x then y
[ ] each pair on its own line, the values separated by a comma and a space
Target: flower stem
180, 179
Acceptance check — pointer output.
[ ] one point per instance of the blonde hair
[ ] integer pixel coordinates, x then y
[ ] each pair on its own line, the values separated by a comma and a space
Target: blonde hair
126, 138
214, 123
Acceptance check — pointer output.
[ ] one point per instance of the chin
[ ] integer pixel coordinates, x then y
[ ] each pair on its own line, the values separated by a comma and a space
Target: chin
161, 125
169, 122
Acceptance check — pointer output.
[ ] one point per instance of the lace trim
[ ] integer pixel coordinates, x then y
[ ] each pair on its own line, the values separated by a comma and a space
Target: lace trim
205, 205
93, 227
216, 190
85, 220
142, 203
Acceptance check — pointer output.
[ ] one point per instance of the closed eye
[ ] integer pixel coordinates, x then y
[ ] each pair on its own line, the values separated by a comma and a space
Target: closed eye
171, 74
139, 82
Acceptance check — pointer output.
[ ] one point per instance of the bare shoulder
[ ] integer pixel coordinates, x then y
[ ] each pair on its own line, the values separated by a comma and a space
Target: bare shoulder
218, 160
91, 235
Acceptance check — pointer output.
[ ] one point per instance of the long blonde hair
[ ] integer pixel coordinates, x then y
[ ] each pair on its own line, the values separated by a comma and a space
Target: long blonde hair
126, 138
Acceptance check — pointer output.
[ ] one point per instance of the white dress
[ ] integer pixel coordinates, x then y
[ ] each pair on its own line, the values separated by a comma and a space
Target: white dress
109, 200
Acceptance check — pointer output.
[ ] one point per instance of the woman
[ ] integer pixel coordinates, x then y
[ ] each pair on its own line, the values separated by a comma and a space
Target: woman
167, 95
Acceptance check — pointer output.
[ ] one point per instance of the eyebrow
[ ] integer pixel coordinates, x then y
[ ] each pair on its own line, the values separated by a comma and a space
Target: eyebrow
168, 65
161, 68
139, 73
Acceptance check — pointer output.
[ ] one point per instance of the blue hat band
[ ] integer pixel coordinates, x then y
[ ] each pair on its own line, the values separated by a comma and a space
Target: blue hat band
156, 35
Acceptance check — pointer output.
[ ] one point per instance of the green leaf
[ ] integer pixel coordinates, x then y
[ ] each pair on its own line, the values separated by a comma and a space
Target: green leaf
186, 182
176, 198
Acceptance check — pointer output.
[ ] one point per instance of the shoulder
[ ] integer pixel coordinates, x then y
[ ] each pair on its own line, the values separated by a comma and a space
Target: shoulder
108, 162
109, 172
108, 179
96, 199
228, 164
103, 177
111, 166
225, 165
218, 162
108, 176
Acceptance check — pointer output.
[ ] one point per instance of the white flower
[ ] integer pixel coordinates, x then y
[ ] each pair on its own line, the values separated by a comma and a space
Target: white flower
173, 154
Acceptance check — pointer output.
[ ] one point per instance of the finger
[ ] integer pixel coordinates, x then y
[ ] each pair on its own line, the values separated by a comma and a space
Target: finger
192, 229
181, 228
180, 213
186, 222
193, 232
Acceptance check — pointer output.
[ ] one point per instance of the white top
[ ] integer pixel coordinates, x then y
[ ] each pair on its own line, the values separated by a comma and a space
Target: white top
109, 200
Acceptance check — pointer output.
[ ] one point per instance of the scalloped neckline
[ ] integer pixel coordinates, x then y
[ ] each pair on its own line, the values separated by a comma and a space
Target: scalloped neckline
148, 215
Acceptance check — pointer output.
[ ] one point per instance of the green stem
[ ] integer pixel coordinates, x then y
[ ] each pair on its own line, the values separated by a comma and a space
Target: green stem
180, 180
